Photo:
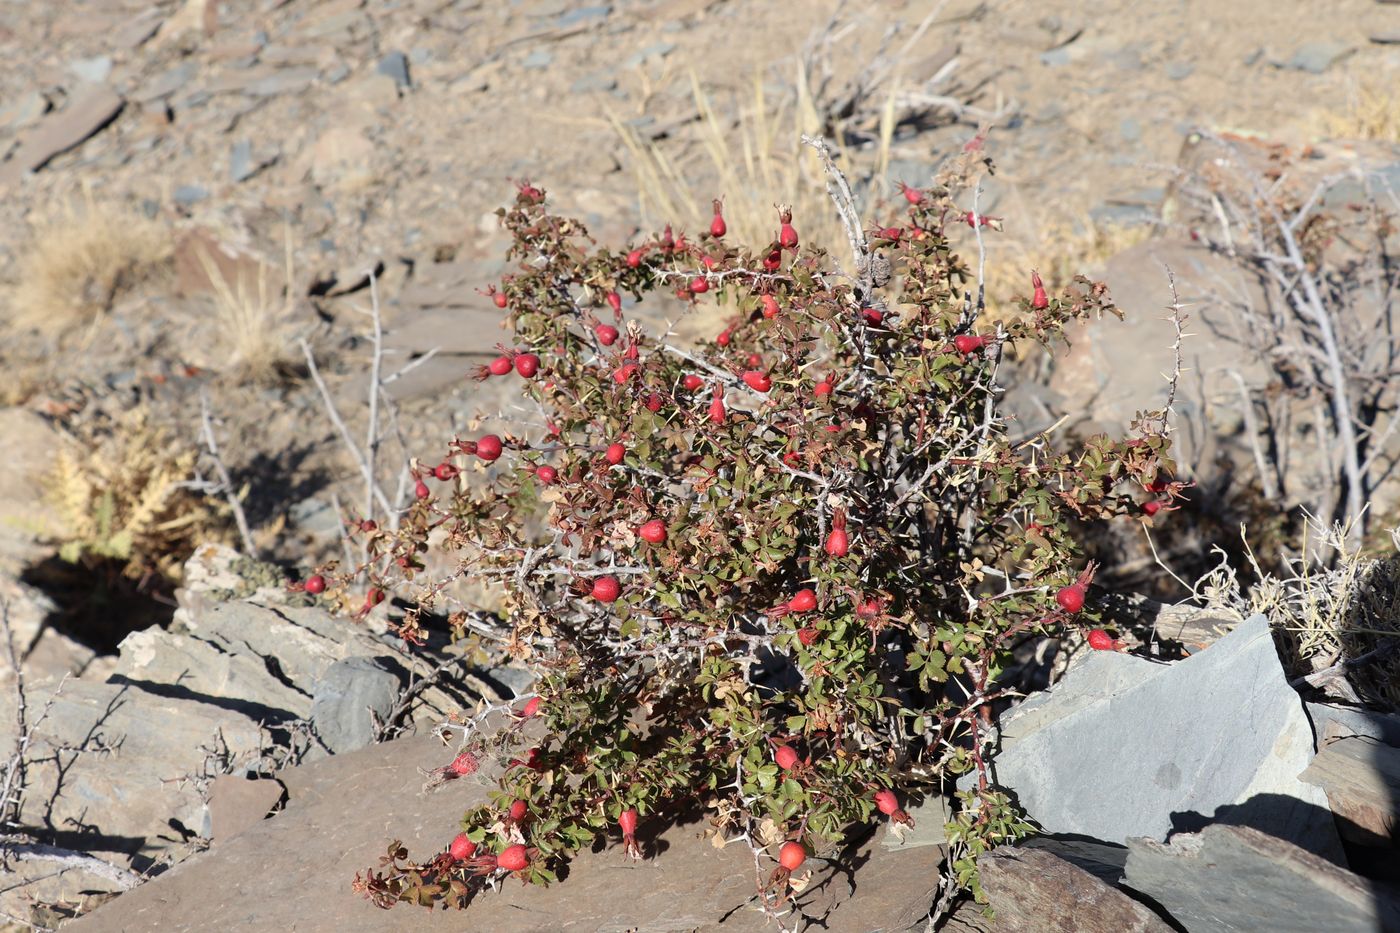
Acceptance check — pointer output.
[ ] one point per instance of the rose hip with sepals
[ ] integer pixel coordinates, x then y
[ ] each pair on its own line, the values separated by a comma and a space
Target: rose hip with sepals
758, 381
968, 343
1100, 640
527, 364
315, 584
787, 236
615, 453
785, 757
838, 543
1071, 598
461, 847
699, 285
1039, 300
770, 306
546, 474
692, 382
606, 334
888, 804
606, 589
716, 412
500, 366
627, 822
512, 858
718, 228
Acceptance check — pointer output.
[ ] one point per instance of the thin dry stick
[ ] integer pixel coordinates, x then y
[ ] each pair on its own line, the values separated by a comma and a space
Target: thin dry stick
225, 481
14, 768
1266, 478
340, 426
372, 431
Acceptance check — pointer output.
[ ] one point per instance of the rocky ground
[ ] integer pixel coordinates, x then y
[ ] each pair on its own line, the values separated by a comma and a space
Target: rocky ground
192, 189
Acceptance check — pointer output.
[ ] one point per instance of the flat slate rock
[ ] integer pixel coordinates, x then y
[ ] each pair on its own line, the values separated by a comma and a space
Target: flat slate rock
1227, 879
1125, 747
293, 871
1033, 891
88, 112
1361, 777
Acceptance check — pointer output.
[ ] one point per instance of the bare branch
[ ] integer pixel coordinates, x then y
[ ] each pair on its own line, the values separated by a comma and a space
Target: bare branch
225, 482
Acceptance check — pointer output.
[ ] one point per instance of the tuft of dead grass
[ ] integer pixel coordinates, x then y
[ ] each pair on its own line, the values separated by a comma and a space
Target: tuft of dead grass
83, 258
1335, 609
253, 333
754, 158
1371, 111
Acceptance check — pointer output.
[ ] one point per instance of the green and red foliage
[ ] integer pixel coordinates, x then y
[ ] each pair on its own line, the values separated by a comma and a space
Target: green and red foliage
754, 564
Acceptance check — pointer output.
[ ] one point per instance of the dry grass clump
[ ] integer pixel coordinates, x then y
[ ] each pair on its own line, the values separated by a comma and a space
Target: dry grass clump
754, 158
1336, 610
81, 260
130, 494
1371, 111
253, 332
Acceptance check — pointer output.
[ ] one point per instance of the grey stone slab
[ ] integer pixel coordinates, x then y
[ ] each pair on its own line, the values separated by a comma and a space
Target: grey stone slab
1035, 891
1328, 718
167, 82
283, 81
292, 871
1229, 879
583, 14
93, 70
1317, 57
395, 65
132, 778
345, 696
87, 113
24, 111
1124, 747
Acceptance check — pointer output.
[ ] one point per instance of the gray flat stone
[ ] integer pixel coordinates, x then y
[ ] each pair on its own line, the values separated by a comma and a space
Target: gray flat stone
240, 160
283, 81
1329, 719
92, 70
1317, 57
185, 195
88, 112
538, 59
1227, 879
345, 695
24, 111
167, 82
655, 50
1034, 891
395, 65
343, 812
237, 803
1123, 747
583, 14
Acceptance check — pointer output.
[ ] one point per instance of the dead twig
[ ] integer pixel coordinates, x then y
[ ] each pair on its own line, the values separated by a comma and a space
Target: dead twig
334, 414
225, 482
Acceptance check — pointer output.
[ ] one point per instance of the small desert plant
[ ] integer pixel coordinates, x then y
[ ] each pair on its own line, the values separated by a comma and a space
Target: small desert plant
1371, 111
252, 326
81, 260
774, 578
1336, 618
129, 497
